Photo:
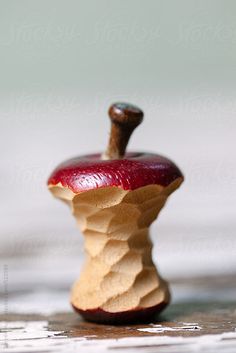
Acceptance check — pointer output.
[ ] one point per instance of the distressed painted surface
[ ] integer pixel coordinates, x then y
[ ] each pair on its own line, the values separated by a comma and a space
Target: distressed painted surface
190, 324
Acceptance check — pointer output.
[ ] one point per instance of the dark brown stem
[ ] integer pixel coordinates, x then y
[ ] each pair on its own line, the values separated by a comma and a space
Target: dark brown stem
124, 119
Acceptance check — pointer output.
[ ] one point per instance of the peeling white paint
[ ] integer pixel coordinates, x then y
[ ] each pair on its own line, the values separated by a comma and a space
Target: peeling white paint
34, 336
19, 330
164, 344
161, 328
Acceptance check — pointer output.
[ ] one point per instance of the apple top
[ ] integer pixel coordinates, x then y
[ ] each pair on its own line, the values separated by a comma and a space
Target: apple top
135, 170
115, 167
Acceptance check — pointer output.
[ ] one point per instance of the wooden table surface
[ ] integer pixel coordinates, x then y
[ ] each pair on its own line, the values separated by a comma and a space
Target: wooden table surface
192, 323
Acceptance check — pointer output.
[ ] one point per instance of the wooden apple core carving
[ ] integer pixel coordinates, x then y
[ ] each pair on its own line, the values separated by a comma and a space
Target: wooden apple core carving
115, 197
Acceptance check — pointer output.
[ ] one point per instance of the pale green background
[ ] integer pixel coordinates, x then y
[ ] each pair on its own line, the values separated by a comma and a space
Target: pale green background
116, 46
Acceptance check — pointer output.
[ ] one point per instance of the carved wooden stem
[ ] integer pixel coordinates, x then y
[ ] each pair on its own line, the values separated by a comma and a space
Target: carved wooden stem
124, 119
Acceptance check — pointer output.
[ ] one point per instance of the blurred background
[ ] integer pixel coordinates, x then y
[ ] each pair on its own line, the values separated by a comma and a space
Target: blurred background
62, 64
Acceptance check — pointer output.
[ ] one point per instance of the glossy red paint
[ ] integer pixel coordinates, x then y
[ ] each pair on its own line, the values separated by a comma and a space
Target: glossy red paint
139, 315
132, 172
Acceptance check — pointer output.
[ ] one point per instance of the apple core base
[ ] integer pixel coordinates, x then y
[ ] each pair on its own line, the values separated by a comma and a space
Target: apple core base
136, 316
119, 282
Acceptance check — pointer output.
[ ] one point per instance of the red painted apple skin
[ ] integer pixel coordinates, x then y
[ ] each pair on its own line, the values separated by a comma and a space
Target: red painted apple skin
140, 315
132, 172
